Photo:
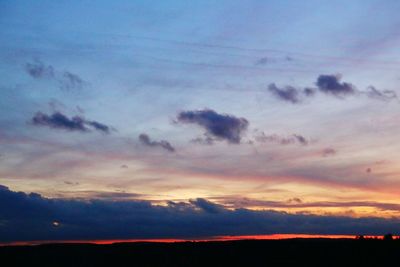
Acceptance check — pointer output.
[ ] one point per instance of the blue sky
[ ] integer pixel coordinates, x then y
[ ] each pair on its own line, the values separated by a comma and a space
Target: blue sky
238, 102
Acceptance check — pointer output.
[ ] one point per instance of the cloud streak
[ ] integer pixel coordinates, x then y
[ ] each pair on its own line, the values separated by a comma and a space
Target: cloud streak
57, 120
67, 80
145, 140
282, 140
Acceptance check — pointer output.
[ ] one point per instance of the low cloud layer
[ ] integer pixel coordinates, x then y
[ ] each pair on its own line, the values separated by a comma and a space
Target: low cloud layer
58, 120
217, 126
32, 217
145, 140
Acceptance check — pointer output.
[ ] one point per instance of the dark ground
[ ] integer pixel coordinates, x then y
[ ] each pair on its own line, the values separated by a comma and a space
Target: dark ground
292, 252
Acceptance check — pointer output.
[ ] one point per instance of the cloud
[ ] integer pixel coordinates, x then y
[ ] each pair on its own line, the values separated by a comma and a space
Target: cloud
38, 70
67, 80
331, 84
299, 203
295, 200
70, 80
145, 140
31, 217
220, 126
263, 61
282, 140
58, 120
326, 152
287, 93
206, 140
384, 95
99, 126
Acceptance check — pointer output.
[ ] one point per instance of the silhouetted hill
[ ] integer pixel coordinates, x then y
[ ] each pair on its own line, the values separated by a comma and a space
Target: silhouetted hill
293, 252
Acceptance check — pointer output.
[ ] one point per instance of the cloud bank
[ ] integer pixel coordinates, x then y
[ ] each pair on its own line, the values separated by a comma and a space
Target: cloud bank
32, 217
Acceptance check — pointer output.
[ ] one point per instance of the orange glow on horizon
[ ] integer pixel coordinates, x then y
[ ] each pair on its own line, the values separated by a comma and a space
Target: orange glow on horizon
176, 240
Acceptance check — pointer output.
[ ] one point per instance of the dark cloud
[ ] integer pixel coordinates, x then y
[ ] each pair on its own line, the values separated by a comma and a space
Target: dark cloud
39, 70
31, 217
206, 205
219, 126
308, 92
287, 93
301, 139
145, 140
58, 120
331, 84
326, 152
99, 126
282, 140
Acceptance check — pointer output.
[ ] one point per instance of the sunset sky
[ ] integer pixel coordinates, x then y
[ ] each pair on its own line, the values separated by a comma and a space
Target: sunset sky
152, 119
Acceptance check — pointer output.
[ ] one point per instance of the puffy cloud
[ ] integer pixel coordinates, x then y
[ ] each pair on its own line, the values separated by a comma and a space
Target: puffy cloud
60, 121
331, 84
145, 140
220, 126
31, 217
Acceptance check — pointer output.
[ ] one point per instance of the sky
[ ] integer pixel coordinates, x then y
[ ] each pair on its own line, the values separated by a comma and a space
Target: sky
171, 119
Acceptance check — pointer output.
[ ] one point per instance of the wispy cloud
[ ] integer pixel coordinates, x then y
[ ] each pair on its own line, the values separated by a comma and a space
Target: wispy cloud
282, 140
145, 140
67, 80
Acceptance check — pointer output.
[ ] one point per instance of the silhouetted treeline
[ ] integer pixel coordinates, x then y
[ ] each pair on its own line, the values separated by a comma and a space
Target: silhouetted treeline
291, 252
